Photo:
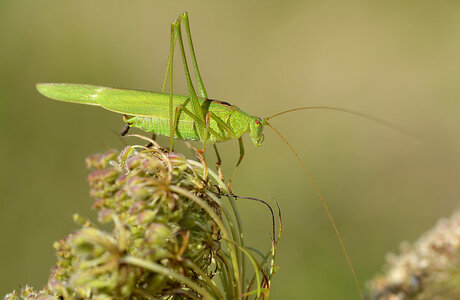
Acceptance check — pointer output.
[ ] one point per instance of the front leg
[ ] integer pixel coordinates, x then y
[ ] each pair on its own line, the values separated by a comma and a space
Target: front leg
240, 142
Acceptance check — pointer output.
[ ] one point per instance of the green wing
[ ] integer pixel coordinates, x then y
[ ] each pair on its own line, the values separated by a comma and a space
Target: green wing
129, 102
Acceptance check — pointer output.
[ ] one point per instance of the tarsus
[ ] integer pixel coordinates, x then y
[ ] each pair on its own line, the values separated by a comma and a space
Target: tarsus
326, 208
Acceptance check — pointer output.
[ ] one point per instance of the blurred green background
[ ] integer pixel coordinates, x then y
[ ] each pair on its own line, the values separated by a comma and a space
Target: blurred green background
397, 60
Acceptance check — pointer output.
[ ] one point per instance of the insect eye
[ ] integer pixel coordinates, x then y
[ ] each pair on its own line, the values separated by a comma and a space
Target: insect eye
257, 122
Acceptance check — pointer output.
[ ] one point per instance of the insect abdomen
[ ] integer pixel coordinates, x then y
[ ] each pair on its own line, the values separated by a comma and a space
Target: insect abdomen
185, 129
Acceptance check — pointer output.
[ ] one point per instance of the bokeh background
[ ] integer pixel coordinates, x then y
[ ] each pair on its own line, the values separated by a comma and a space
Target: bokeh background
396, 60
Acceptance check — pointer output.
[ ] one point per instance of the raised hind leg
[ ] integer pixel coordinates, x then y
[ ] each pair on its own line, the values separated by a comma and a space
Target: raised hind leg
201, 88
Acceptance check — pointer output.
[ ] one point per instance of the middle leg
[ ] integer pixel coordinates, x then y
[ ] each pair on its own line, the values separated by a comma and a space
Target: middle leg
218, 163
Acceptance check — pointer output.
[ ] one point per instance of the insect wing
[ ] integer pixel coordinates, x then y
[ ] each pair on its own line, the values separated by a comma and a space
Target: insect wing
77, 93
124, 101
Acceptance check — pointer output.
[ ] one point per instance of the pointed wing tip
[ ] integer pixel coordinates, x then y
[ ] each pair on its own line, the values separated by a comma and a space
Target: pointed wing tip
41, 87
44, 88
54, 91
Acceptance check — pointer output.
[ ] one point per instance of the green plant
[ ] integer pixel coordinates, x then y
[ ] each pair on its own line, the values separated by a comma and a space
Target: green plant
170, 235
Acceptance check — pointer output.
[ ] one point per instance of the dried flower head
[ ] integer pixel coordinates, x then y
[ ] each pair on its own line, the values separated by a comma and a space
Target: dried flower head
168, 237
429, 269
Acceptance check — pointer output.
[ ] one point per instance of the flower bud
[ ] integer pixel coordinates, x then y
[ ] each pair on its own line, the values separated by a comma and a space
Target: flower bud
156, 234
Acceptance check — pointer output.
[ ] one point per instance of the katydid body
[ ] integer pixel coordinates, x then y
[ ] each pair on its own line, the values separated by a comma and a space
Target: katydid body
149, 111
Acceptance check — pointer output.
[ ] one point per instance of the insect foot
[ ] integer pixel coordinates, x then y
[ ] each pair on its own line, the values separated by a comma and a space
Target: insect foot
165, 235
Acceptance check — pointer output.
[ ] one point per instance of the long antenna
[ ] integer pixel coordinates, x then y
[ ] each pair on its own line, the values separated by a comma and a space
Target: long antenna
348, 111
326, 208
